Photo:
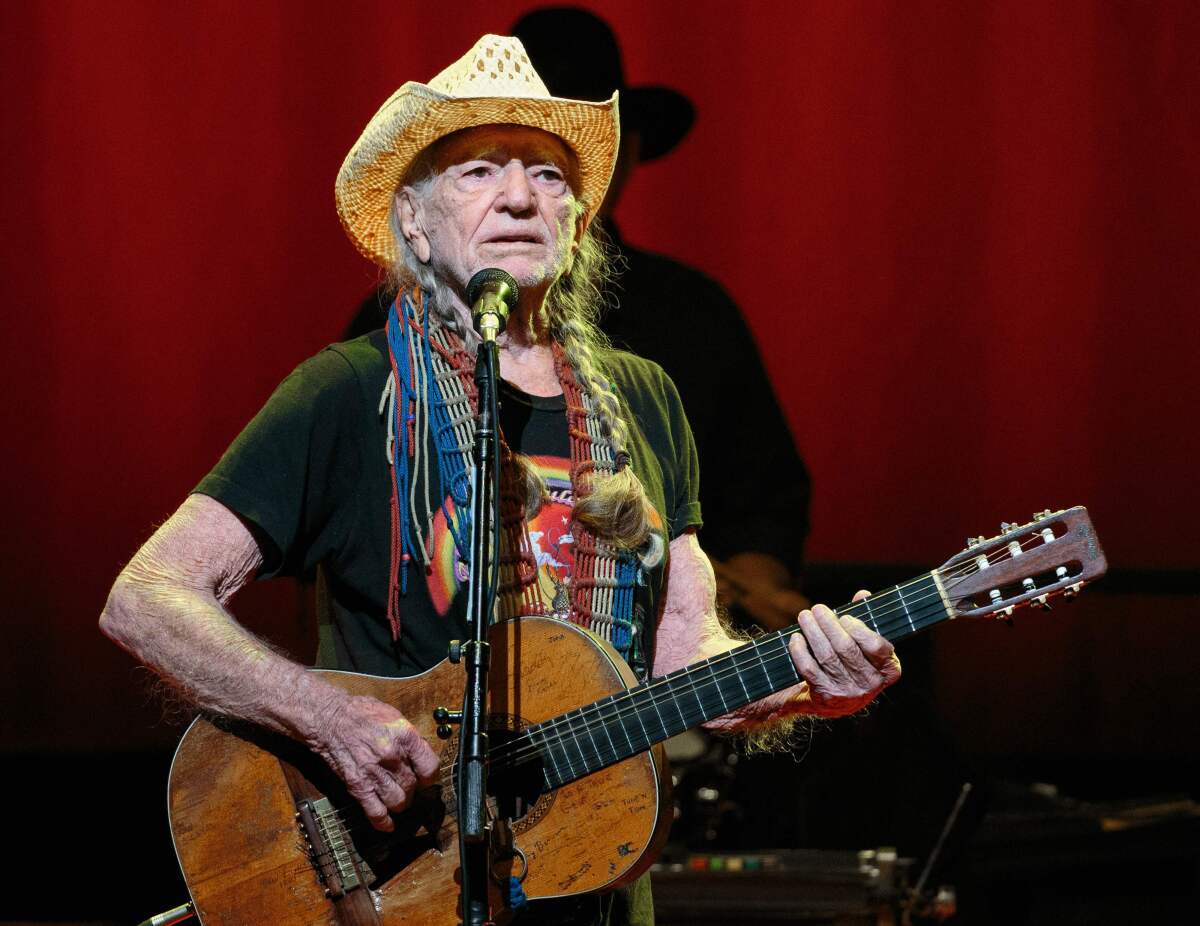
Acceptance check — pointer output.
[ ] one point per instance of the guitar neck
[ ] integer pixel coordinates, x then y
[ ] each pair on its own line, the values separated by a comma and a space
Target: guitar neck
600, 734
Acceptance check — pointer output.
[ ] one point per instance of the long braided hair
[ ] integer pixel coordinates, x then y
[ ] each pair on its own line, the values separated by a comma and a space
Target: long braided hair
615, 506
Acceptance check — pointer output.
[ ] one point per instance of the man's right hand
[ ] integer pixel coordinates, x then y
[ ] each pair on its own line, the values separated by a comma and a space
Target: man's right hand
168, 608
380, 756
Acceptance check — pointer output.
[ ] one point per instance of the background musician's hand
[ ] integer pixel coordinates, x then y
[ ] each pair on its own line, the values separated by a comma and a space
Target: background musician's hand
380, 756
845, 664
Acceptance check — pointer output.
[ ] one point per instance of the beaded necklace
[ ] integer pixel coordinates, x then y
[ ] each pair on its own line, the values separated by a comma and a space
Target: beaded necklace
430, 400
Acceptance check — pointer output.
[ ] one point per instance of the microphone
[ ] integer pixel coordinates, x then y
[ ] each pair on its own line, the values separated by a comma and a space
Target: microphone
491, 293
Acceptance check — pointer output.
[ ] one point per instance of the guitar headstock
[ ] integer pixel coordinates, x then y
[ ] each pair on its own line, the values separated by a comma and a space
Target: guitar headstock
1056, 553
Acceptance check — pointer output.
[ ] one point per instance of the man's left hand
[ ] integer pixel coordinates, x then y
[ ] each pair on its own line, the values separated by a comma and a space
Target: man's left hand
845, 664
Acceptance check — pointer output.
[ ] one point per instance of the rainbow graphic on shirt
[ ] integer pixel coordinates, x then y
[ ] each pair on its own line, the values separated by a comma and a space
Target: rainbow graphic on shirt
549, 536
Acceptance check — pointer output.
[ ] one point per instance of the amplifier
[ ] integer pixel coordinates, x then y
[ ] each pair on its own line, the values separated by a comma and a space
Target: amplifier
786, 886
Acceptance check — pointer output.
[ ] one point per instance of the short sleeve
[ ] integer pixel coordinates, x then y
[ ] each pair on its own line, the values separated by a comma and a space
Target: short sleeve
291, 470
683, 477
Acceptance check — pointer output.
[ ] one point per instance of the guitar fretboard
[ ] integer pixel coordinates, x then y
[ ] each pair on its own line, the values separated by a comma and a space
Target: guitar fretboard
624, 724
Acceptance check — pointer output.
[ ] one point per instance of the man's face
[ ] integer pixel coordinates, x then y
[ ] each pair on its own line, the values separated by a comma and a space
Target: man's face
502, 197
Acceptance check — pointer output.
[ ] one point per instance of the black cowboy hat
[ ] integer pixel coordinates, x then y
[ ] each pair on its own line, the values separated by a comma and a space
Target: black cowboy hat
577, 56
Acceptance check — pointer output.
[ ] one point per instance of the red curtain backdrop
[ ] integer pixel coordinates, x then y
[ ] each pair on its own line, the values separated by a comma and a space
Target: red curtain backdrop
964, 235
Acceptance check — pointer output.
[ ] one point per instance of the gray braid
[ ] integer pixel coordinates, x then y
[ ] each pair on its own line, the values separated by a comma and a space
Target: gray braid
617, 508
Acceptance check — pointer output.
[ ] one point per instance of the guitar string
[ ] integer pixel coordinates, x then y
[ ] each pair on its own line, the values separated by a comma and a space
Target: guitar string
765, 655
752, 654
746, 656
738, 660
500, 757
591, 749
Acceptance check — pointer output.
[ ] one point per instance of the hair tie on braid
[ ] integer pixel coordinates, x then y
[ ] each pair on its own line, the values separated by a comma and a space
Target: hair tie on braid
622, 460
651, 553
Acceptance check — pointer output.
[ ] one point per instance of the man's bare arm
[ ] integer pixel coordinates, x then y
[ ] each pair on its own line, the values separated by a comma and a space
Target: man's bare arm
844, 665
167, 608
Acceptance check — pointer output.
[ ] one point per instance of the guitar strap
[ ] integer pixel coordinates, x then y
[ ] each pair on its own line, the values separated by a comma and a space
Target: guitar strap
430, 401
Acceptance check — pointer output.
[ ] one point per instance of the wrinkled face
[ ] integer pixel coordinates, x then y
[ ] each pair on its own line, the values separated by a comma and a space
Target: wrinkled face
501, 197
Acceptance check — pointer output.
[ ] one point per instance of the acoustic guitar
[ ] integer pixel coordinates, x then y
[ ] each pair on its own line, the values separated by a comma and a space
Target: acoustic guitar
578, 780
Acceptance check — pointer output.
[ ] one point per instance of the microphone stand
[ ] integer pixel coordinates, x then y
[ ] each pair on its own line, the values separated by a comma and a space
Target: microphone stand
471, 765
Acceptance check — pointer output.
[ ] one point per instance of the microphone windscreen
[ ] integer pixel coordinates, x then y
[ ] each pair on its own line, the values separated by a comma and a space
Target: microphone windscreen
488, 276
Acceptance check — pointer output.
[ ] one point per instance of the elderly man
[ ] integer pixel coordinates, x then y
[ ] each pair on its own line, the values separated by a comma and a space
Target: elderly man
360, 461
683, 320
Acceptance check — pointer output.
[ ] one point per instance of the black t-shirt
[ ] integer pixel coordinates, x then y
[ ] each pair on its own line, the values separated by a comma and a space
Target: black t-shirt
310, 473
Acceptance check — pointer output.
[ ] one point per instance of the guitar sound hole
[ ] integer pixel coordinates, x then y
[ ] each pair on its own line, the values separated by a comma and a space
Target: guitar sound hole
516, 780
515, 787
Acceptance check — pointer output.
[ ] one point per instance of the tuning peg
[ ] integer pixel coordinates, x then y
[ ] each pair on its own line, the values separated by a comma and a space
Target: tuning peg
1042, 515
1041, 601
1006, 526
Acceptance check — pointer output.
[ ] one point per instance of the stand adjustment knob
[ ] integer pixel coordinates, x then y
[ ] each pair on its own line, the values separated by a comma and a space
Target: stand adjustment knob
455, 650
443, 718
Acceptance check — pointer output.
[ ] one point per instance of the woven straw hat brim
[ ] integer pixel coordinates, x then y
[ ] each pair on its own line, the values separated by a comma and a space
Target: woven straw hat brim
416, 116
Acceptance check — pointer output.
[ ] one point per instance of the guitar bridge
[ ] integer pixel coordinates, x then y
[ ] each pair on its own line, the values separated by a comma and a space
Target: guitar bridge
331, 850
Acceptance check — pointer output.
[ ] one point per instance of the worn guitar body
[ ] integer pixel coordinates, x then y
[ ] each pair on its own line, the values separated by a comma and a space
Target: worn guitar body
234, 796
578, 776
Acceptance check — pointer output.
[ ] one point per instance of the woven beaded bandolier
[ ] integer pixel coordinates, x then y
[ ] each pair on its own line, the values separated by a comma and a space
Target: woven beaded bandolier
430, 402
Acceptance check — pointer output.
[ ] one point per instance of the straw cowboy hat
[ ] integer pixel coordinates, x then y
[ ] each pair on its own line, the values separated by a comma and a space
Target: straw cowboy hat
493, 83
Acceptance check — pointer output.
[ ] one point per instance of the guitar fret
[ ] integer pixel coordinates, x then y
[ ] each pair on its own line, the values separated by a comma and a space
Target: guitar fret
622, 722
596, 750
787, 673
925, 601
717, 685
737, 673
933, 610
613, 753
677, 699
696, 692
766, 675
570, 734
547, 752
662, 724
869, 619
637, 714
904, 604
